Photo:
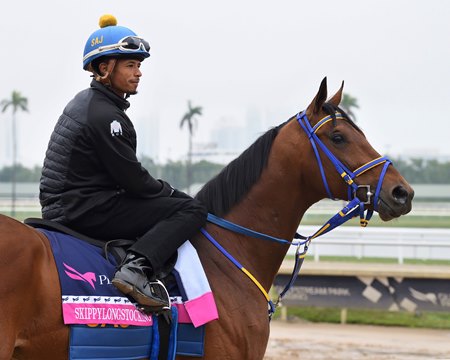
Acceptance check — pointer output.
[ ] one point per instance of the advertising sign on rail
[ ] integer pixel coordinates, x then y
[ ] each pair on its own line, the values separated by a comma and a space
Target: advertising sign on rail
390, 293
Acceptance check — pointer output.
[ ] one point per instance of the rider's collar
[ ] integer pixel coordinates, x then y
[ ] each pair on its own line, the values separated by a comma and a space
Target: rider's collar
122, 103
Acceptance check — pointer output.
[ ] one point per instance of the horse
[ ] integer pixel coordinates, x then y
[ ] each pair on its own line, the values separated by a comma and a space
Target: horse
268, 189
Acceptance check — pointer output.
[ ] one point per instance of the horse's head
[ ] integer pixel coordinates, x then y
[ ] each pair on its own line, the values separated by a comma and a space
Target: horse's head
352, 166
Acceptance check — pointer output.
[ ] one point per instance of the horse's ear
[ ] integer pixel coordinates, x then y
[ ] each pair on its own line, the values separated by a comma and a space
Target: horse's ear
336, 99
316, 105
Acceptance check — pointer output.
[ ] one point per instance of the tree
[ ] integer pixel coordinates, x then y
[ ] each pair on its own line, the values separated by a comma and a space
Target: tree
174, 171
348, 103
16, 102
190, 119
22, 174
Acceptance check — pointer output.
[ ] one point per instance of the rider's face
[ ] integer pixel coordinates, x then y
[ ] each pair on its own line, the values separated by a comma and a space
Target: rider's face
125, 76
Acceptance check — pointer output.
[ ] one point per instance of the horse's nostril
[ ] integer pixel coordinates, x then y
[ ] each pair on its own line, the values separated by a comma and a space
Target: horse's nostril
400, 194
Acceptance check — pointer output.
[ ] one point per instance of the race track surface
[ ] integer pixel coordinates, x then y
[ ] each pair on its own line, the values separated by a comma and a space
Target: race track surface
302, 340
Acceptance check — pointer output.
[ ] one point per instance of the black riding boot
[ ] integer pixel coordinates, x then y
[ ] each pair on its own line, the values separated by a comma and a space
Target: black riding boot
132, 279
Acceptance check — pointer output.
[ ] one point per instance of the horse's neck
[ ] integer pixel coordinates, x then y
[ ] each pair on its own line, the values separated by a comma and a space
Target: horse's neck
276, 204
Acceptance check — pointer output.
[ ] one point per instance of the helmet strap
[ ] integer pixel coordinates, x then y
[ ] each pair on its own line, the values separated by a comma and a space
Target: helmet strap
106, 78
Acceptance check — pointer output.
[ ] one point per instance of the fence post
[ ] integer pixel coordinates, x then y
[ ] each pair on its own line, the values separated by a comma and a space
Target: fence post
316, 253
400, 250
344, 316
283, 313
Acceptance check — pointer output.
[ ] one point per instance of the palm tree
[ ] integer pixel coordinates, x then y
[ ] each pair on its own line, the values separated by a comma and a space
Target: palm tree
190, 119
16, 102
348, 103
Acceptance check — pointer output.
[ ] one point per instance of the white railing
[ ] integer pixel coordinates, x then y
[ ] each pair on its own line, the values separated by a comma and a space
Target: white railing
400, 243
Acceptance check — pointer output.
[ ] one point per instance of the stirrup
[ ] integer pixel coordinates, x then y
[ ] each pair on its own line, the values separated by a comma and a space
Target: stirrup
162, 294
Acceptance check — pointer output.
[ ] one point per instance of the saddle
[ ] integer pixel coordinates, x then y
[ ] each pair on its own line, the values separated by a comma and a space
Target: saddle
116, 247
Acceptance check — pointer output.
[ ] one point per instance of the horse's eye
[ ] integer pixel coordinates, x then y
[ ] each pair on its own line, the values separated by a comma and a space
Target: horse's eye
337, 138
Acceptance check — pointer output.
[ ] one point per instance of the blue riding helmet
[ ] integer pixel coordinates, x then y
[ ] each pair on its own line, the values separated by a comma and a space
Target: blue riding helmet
113, 40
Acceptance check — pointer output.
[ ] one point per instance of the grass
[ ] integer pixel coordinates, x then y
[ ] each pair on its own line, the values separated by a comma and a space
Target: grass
376, 260
433, 320
409, 221
22, 215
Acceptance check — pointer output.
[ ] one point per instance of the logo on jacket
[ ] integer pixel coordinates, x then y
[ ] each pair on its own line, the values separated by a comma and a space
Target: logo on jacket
116, 128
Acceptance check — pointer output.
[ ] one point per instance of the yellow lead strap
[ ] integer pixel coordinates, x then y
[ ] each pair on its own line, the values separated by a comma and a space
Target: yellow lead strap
257, 283
320, 231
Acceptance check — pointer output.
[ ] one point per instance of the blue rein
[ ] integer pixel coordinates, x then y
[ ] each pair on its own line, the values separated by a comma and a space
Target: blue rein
354, 207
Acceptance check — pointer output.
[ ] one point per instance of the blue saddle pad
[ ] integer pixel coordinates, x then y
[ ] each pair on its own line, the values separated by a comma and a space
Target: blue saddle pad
133, 342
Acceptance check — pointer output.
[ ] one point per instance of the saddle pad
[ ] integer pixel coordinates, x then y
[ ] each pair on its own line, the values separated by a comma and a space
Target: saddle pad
88, 296
110, 342
133, 342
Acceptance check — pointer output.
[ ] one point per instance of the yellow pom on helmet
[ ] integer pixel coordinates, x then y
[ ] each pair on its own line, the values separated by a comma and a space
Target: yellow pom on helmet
107, 20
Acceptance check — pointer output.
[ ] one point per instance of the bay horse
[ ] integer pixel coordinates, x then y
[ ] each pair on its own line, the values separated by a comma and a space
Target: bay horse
267, 189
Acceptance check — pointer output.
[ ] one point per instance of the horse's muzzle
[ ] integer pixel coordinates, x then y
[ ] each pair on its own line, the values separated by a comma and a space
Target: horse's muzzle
395, 202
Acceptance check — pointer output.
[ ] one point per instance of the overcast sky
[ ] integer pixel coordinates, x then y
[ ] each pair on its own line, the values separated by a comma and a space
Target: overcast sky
236, 56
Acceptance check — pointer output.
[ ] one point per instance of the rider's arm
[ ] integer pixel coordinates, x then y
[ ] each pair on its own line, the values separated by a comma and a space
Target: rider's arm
117, 152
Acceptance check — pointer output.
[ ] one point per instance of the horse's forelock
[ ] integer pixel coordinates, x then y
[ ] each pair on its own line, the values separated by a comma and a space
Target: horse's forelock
331, 109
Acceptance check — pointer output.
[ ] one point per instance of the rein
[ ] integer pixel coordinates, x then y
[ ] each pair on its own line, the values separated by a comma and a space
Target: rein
354, 207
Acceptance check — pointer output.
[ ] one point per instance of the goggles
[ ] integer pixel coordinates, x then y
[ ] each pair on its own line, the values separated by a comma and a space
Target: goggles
129, 43
133, 43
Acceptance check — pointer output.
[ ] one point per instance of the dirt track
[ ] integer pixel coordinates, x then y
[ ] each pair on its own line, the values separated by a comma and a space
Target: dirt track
301, 340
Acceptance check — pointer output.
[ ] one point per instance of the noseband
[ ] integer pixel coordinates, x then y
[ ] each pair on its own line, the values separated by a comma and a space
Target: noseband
354, 207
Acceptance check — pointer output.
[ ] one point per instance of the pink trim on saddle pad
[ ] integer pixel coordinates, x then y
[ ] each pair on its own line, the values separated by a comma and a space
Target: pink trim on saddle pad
202, 309
115, 314
120, 311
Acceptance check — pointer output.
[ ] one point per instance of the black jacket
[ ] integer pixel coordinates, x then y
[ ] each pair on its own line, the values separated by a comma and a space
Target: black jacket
91, 158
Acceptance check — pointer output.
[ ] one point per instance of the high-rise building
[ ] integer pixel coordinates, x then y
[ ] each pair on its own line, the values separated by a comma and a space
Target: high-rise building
148, 136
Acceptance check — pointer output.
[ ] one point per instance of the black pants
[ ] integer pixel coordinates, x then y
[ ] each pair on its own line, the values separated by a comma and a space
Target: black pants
160, 225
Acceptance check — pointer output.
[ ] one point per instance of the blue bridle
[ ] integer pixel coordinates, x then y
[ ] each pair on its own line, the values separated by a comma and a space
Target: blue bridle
354, 207
347, 175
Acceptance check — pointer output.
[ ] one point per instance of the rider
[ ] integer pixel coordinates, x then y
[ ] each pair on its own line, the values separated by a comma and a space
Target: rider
92, 181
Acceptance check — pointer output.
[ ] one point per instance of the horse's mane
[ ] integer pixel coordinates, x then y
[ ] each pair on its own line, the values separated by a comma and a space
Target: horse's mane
235, 180
228, 187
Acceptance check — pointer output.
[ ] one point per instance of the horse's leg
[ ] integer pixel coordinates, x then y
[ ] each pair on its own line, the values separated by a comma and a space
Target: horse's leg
31, 324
